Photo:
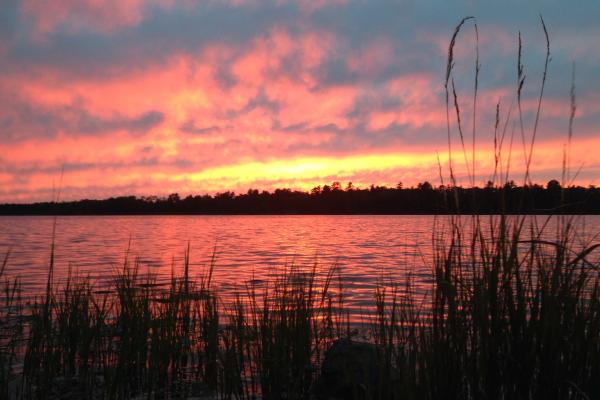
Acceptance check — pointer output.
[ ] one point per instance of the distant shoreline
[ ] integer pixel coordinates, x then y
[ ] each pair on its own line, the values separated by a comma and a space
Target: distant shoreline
333, 200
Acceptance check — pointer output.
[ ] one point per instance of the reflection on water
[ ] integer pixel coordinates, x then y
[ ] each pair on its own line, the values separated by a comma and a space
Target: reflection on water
248, 248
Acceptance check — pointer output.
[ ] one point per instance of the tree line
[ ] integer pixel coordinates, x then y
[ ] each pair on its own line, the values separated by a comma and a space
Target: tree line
551, 198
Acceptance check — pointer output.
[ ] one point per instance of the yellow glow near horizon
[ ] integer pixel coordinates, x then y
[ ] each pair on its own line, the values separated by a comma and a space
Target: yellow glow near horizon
304, 171
362, 169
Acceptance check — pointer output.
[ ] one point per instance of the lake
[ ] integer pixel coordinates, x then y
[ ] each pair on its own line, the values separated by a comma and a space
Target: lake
367, 248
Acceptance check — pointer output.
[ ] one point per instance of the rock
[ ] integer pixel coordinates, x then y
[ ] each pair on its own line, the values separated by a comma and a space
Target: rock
349, 371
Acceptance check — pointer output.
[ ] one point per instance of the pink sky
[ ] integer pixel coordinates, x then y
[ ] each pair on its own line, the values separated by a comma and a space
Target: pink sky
149, 98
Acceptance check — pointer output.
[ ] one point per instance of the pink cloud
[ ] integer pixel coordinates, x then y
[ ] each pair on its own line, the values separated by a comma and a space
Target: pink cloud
254, 113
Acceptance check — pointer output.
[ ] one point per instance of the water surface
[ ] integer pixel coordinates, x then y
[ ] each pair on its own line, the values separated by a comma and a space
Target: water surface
367, 249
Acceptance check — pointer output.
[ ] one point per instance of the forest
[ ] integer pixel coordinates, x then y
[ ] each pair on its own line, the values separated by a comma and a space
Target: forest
551, 198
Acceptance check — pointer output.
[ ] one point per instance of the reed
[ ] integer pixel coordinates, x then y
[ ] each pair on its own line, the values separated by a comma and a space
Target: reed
511, 314
11, 328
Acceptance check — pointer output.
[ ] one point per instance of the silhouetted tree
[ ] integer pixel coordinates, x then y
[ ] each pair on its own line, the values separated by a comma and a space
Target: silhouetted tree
424, 198
553, 185
425, 186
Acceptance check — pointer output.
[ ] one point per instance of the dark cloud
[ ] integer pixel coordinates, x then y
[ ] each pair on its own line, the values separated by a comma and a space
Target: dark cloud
21, 119
37, 168
164, 32
9, 17
410, 27
190, 127
261, 100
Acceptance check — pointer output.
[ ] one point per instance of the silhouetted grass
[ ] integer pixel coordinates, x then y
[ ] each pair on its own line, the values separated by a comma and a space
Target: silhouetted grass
11, 328
510, 314
513, 313
509, 318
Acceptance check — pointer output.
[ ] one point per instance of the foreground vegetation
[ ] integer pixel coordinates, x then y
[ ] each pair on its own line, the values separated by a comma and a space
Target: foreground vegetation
509, 316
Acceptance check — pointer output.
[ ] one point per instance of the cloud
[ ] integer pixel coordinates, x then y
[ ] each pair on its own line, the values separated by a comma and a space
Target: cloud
162, 92
22, 120
78, 15
190, 127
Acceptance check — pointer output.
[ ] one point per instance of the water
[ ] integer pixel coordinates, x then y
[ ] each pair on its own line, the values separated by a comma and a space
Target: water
367, 249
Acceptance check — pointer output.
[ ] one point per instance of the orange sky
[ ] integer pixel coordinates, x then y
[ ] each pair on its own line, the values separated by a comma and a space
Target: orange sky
151, 98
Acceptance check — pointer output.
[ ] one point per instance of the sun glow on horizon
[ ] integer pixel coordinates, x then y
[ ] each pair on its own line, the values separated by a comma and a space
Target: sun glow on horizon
308, 168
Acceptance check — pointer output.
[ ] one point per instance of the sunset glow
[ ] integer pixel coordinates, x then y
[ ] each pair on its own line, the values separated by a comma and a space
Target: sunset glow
150, 98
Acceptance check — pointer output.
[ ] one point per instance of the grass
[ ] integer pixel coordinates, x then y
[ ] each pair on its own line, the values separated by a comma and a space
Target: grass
509, 318
513, 313
141, 338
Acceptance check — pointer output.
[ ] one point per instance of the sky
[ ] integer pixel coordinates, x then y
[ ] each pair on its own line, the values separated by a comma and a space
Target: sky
131, 97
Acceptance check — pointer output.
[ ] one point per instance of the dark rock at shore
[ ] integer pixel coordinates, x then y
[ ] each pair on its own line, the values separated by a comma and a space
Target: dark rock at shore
350, 370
